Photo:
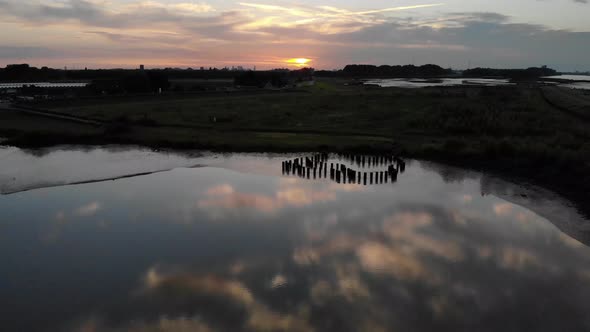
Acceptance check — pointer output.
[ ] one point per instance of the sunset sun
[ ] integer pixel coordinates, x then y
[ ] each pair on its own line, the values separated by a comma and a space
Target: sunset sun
300, 62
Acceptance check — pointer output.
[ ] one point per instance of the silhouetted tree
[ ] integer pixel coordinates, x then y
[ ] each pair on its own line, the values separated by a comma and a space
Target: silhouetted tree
429, 70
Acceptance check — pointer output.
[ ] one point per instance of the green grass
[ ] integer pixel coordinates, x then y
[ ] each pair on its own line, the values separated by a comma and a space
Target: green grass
330, 108
468, 120
14, 123
574, 102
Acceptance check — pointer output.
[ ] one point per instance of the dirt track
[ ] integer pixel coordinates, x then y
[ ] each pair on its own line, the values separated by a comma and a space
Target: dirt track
573, 102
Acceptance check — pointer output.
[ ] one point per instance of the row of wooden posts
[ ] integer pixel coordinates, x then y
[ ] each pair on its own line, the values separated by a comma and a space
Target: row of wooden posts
371, 161
317, 167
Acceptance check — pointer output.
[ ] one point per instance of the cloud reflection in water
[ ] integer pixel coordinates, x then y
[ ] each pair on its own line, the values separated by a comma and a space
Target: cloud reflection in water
420, 255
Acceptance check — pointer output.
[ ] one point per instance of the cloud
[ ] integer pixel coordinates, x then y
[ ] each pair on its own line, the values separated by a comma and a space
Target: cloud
503, 209
259, 317
88, 210
31, 52
101, 13
221, 190
322, 19
266, 34
407, 227
381, 259
225, 197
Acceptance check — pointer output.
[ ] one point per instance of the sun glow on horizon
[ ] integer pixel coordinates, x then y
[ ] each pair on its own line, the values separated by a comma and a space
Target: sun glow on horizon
299, 62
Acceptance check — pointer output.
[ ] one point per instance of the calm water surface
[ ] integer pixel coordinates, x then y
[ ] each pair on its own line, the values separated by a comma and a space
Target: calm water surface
42, 85
577, 82
229, 243
422, 83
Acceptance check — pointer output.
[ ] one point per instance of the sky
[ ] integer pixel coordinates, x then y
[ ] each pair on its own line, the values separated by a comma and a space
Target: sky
269, 34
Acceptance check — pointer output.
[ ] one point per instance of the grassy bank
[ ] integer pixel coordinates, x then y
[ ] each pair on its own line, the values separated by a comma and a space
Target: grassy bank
509, 129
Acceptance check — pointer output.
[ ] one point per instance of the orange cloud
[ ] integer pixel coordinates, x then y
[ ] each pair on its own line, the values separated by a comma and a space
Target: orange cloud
221, 190
379, 258
503, 210
404, 228
88, 210
289, 195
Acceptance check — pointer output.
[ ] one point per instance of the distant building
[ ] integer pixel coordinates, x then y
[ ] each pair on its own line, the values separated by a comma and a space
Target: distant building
141, 67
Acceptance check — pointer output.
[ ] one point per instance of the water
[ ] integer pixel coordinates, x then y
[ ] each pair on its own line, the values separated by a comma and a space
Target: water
578, 82
232, 244
421, 83
577, 85
583, 78
42, 85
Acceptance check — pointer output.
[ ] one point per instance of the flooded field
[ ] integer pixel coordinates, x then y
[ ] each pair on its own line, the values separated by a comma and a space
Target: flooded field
422, 83
575, 82
42, 85
578, 78
249, 242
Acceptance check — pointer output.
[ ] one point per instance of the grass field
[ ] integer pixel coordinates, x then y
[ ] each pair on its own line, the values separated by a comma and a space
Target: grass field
511, 128
575, 102
466, 119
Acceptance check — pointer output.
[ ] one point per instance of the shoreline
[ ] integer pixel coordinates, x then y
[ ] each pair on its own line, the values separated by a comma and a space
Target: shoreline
515, 170
514, 131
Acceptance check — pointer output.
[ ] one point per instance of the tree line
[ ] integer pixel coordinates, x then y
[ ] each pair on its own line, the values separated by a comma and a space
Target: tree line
134, 80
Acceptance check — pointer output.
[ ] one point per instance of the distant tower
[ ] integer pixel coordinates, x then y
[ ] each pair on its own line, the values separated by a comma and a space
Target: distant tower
141, 67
